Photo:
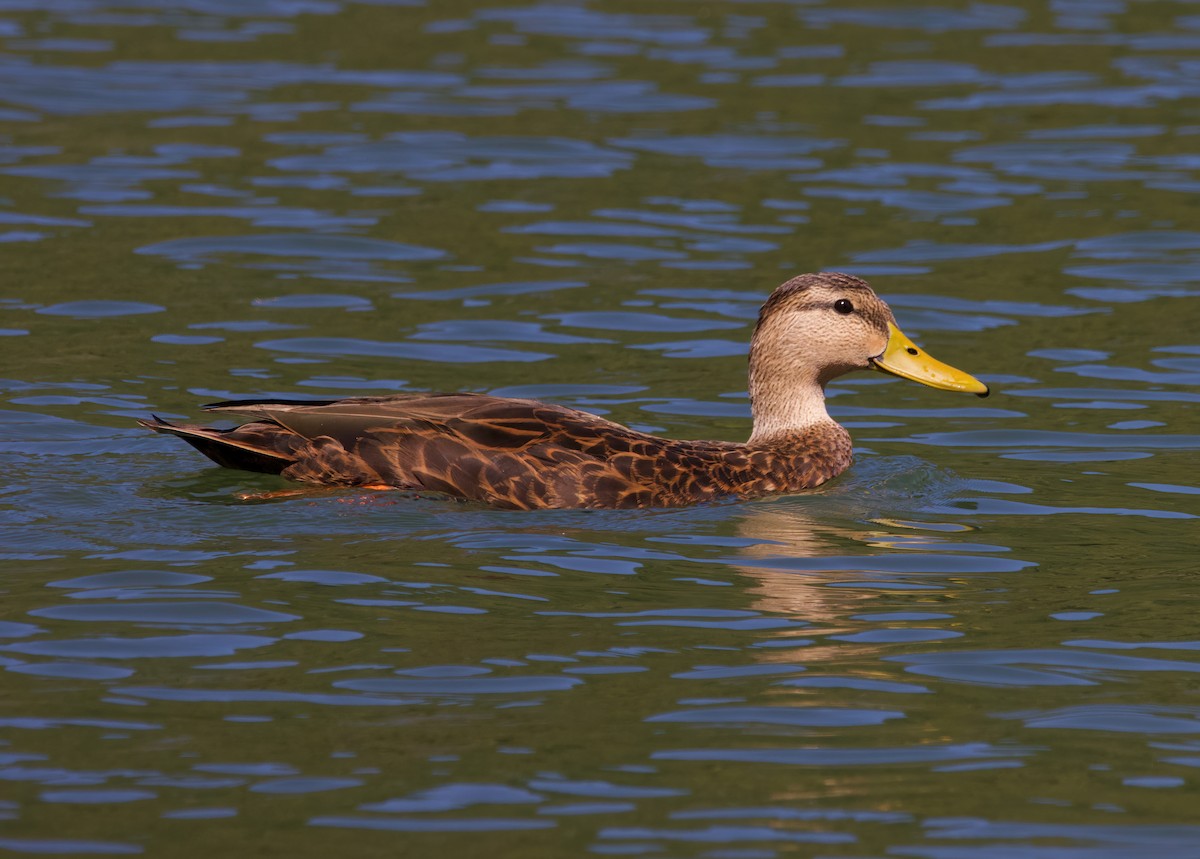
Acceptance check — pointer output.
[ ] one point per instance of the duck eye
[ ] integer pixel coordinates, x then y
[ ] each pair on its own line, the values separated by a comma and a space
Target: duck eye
843, 306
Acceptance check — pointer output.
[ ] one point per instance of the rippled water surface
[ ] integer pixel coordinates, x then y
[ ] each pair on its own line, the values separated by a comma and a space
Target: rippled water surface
979, 642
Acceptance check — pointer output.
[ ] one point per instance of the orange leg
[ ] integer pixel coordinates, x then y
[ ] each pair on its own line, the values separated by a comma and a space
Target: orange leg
304, 491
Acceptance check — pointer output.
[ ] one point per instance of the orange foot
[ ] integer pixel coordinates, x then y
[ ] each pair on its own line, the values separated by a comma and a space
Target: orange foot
305, 492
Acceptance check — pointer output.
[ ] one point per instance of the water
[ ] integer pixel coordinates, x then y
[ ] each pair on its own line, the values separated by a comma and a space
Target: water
979, 642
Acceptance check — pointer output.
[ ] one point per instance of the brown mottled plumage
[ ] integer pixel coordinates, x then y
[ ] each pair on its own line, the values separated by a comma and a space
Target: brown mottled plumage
526, 454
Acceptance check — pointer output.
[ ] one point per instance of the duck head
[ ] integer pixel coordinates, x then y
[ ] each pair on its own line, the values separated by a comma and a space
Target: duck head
817, 327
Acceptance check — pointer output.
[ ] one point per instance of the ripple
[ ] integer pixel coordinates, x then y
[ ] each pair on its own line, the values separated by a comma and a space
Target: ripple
591, 228
1048, 438
650, 322
204, 613
1052, 160
1137, 244
806, 717
455, 797
1142, 273
601, 789
166, 87
308, 784
200, 814
624, 96
552, 19
318, 300
492, 289
735, 151
332, 578
701, 216
100, 182
131, 579
111, 647
727, 835
69, 846
72, 670
829, 757
444, 671
785, 813
40, 724
420, 824
13, 629
929, 251
907, 563
1171, 488
1169, 839
918, 201
707, 348
929, 19
724, 672
98, 309
893, 636
230, 696
93, 797
613, 251
463, 686
345, 346
449, 157
911, 73
260, 216
573, 808
863, 684
496, 330
202, 249
1033, 667
1132, 719
331, 635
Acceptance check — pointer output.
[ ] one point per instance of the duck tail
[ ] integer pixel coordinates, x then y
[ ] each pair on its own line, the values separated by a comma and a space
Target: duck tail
251, 447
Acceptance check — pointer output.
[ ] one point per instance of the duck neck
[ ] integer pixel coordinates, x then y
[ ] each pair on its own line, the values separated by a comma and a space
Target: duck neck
783, 412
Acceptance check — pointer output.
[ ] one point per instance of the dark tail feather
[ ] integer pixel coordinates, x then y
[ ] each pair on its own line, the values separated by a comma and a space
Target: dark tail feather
223, 448
251, 405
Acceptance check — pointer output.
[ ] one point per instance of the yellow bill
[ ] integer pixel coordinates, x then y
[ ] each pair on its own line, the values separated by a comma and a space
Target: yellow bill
902, 358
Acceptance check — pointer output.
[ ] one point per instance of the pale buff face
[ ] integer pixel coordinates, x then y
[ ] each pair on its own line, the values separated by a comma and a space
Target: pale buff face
806, 335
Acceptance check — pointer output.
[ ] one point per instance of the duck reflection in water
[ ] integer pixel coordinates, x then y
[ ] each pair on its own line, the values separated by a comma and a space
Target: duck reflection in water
814, 569
525, 454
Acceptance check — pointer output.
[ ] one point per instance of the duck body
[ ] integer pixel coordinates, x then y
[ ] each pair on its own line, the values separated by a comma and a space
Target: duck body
510, 453
524, 454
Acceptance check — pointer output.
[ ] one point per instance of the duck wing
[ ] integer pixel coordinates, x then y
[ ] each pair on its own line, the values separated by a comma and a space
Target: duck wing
496, 422
506, 452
